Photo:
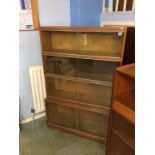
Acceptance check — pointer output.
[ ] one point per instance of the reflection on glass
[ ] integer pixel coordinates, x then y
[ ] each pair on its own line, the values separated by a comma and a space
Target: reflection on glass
90, 93
81, 68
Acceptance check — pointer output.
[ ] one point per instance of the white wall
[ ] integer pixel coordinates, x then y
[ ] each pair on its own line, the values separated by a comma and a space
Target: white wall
29, 54
54, 12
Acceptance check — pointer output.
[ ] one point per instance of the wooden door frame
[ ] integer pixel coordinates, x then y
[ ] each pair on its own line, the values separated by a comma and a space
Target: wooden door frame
35, 14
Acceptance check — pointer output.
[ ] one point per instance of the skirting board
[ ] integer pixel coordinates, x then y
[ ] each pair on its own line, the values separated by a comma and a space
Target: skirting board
27, 120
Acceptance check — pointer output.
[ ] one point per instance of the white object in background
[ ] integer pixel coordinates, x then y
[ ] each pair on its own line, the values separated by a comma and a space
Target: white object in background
103, 6
110, 9
38, 87
124, 5
126, 18
116, 6
117, 2
25, 17
133, 5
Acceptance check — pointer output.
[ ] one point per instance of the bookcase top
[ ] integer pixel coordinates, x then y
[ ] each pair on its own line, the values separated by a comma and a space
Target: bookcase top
85, 29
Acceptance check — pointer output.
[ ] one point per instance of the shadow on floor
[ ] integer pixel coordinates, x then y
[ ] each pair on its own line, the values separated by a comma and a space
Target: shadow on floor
37, 139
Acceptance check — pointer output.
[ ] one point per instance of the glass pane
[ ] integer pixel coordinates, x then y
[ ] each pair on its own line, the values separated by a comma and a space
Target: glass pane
64, 40
90, 93
61, 115
61, 66
96, 70
98, 43
93, 123
95, 94
86, 44
81, 68
62, 88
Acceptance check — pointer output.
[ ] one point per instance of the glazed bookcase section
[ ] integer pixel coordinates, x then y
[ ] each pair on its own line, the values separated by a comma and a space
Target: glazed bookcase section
94, 45
79, 90
81, 120
93, 123
80, 68
61, 115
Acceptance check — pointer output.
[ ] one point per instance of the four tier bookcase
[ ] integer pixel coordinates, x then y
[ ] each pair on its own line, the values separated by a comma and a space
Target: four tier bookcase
79, 63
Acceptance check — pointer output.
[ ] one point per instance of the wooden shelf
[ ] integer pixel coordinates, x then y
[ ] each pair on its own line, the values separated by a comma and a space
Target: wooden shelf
124, 111
78, 133
77, 104
85, 99
127, 98
97, 78
107, 83
102, 56
125, 138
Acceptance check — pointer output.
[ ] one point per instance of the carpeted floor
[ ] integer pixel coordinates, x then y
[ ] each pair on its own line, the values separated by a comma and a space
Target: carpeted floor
37, 139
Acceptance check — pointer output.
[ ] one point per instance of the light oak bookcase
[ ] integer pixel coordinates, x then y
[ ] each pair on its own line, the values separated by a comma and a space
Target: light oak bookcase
79, 63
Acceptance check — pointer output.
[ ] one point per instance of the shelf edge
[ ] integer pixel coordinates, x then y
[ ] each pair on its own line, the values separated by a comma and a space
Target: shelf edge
99, 58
